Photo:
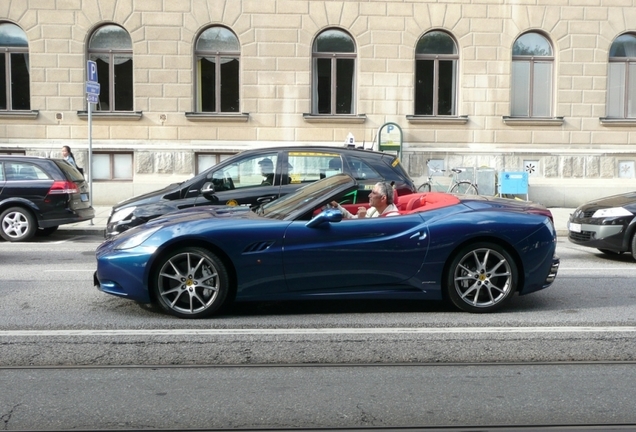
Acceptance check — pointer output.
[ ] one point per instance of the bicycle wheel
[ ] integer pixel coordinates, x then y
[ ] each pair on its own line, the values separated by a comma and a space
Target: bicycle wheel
425, 187
465, 188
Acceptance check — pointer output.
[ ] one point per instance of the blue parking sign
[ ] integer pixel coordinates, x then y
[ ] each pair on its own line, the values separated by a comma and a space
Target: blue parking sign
91, 71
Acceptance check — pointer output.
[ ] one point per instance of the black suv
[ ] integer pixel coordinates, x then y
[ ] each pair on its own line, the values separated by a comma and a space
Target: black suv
39, 194
254, 177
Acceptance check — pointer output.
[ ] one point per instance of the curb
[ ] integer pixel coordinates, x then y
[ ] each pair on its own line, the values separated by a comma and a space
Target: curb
92, 231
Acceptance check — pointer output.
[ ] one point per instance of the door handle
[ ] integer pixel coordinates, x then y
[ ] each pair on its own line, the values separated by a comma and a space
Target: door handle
420, 235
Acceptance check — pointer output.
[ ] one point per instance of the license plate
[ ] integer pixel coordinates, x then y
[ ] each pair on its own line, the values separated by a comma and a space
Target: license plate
84, 197
574, 227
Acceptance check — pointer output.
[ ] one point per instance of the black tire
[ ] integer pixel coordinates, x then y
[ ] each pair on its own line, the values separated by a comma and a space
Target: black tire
471, 282
44, 232
426, 187
17, 224
190, 282
634, 246
465, 188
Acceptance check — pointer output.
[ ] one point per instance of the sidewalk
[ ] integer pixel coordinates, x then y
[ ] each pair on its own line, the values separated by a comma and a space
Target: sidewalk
95, 226
98, 225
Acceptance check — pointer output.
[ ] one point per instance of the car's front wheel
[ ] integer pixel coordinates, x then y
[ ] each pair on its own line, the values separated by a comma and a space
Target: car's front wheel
18, 224
190, 283
482, 277
633, 244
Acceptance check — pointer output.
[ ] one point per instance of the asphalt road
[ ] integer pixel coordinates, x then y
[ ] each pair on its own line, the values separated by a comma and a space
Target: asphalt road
80, 358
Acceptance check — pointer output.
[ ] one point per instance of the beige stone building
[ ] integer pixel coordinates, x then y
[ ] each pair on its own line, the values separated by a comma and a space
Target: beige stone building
543, 86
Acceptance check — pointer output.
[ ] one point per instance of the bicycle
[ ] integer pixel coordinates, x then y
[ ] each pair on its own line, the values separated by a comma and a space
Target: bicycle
456, 186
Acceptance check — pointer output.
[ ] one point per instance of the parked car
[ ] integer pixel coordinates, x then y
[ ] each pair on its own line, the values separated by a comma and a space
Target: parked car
39, 194
607, 224
475, 251
254, 177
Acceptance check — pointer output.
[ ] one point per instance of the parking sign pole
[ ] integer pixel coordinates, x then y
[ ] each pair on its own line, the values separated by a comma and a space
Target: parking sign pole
92, 96
90, 154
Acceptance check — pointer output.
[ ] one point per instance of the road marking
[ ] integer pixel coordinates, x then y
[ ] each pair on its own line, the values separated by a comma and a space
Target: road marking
598, 268
315, 331
68, 270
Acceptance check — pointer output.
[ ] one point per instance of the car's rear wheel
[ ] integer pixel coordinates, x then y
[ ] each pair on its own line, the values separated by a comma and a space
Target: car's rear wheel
482, 277
190, 283
17, 224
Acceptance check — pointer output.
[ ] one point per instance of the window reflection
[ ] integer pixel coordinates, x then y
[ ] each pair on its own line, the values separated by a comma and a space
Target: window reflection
621, 88
531, 82
15, 82
110, 47
217, 67
333, 73
436, 75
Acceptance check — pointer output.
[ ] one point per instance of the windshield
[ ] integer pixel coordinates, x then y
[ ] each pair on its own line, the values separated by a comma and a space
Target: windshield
314, 192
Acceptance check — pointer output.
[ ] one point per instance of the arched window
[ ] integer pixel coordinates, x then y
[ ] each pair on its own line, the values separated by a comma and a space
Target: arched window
621, 87
110, 47
532, 64
334, 64
217, 53
15, 91
436, 60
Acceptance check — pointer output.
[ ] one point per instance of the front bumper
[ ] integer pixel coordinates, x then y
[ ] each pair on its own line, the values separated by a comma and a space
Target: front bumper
122, 273
604, 235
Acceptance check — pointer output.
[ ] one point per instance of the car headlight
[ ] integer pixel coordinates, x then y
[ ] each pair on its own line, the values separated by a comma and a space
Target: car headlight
611, 212
137, 239
122, 214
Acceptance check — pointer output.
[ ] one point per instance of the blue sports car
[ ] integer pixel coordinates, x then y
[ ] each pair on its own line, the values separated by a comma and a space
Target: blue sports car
476, 252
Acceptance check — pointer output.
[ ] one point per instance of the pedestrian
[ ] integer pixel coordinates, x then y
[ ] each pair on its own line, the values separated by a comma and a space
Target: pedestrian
67, 154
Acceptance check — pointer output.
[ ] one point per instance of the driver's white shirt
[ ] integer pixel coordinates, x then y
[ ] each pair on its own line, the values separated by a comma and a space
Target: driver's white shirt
372, 212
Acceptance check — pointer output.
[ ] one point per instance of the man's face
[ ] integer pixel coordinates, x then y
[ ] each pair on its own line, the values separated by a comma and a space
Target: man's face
375, 198
267, 169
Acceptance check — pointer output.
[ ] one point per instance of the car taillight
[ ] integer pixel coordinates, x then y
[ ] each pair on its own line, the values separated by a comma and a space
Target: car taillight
544, 212
63, 187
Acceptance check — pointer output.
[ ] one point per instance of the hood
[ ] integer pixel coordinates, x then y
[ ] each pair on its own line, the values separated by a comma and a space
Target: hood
627, 200
205, 212
149, 197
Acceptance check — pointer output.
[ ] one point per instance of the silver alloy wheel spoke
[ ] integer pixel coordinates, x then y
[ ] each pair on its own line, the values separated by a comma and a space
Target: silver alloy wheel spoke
475, 279
15, 224
188, 282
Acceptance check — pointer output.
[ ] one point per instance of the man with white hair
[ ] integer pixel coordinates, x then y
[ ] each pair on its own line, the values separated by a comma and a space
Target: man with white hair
381, 201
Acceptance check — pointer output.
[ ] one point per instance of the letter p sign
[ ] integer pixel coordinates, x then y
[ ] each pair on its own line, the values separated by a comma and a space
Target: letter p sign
91, 71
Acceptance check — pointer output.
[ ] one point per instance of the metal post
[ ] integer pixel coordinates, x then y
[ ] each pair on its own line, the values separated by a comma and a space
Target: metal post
90, 155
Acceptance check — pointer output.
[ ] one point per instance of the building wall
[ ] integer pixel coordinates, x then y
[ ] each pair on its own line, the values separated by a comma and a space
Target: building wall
574, 159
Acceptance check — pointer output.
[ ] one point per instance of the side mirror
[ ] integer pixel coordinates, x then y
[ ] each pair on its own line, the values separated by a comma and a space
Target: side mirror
208, 192
325, 217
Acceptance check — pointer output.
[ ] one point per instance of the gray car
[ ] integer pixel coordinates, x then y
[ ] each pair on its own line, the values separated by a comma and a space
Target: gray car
254, 177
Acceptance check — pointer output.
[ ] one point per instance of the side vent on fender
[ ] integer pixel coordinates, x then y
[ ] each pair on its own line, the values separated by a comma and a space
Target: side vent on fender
258, 247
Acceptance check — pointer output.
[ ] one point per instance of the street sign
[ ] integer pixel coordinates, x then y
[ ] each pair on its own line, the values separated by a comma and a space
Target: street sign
91, 71
92, 96
92, 88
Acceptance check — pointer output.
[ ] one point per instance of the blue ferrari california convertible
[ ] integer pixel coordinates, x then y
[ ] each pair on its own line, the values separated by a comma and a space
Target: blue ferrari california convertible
476, 252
